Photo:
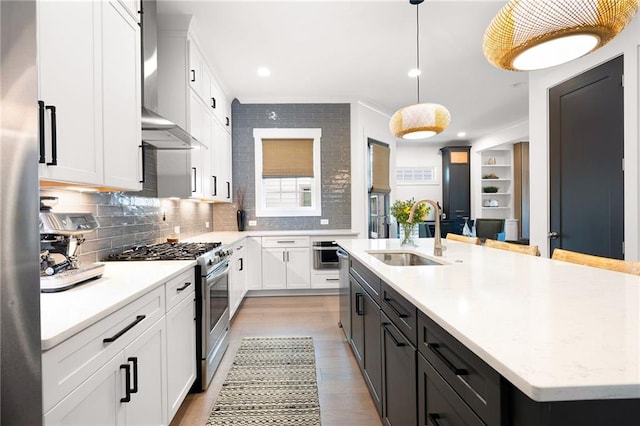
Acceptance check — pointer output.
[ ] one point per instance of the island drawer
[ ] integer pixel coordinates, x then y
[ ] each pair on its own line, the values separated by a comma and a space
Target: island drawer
67, 365
276, 242
401, 312
179, 287
473, 380
438, 403
369, 280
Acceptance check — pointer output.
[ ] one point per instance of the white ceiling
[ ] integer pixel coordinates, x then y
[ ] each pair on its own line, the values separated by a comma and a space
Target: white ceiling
340, 51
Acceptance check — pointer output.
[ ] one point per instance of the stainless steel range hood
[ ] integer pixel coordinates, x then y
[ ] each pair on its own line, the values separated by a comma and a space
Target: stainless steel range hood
157, 130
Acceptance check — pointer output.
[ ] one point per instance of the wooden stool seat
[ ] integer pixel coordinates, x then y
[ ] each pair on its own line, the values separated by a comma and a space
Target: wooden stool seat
518, 248
627, 266
463, 239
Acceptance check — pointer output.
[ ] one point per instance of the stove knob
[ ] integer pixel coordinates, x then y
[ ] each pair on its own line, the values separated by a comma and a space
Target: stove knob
210, 262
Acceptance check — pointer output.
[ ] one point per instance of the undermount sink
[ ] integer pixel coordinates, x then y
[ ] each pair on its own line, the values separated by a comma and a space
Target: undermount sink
403, 258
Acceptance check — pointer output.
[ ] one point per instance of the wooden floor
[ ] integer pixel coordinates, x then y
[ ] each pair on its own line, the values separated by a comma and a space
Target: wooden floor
344, 398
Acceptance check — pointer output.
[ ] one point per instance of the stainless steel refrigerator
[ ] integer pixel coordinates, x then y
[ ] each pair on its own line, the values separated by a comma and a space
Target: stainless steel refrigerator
20, 354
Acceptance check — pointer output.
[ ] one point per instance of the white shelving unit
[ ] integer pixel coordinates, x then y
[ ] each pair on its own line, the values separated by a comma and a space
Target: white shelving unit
497, 171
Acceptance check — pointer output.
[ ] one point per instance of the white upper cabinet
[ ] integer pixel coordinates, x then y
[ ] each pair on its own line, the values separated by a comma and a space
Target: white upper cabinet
89, 93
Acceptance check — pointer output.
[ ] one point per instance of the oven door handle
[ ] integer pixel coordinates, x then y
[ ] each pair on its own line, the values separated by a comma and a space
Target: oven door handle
325, 248
219, 272
341, 253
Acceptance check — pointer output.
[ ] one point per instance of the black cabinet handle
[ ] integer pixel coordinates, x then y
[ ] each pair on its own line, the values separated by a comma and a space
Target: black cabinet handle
435, 349
213, 103
127, 383
54, 136
227, 121
134, 361
395, 341
214, 193
124, 330
193, 75
179, 289
142, 155
41, 131
241, 264
394, 309
434, 419
194, 185
358, 304
228, 189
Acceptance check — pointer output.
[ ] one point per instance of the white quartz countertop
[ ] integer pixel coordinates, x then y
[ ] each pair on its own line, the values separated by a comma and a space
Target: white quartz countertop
231, 237
556, 330
65, 313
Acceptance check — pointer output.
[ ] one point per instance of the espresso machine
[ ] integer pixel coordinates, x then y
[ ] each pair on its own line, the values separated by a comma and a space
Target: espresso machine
61, 234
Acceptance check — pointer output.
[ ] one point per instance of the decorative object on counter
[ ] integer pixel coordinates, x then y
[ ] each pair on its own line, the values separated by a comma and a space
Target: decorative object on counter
409, 230
421, 120
528, 35
490, 176
241, 214
272, 381
490, 189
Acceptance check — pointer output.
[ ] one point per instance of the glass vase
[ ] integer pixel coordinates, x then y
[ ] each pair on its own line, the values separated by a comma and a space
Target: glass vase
408, 234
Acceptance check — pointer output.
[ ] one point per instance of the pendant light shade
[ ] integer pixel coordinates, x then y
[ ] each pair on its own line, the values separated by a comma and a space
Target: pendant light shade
535, 34
419, 121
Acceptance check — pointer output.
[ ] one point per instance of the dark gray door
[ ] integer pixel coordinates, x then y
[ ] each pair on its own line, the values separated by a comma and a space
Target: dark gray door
586, 147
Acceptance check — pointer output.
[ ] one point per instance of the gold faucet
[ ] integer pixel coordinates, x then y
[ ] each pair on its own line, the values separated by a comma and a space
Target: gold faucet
437, 244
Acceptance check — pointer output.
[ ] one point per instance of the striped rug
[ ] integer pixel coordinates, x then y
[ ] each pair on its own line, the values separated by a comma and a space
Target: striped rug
272, 382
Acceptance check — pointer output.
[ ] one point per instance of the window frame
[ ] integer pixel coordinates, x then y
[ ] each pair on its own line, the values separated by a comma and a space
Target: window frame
316, 200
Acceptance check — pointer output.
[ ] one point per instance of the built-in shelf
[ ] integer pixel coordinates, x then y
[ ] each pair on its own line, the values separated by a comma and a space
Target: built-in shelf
496, 208
496, 193
500, 167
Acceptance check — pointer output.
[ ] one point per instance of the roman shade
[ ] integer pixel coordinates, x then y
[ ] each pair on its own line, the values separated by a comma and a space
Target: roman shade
379, 167
287, 158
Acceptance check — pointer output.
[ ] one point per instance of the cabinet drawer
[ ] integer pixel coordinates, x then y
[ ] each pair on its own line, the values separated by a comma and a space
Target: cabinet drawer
70, 363
180, 287
439, 403
274, 242
369, 281
401, 312
474, 380
325, 279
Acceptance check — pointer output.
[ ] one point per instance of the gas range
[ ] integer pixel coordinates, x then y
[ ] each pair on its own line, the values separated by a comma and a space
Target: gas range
208, 255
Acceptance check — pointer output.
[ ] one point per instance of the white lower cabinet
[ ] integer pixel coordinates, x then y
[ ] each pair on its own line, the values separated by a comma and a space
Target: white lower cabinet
107, 397
237, 277
133, 367
285, 263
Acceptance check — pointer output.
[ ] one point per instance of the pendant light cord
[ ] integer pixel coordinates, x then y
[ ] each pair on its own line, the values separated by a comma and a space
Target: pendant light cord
418, 49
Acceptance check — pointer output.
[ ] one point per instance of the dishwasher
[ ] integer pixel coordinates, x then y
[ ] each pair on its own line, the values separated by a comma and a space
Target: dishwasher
344, 293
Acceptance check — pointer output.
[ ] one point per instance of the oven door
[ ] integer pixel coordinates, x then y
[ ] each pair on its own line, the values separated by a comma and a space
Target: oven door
215, 307
325, 255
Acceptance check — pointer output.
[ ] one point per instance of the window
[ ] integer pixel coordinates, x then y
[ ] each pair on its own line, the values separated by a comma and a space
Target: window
287, 167
416, 175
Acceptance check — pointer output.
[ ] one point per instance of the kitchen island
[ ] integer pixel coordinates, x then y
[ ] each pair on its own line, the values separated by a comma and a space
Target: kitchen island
555, 331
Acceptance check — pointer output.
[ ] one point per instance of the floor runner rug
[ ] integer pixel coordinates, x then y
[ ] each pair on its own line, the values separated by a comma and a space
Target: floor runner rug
272, 382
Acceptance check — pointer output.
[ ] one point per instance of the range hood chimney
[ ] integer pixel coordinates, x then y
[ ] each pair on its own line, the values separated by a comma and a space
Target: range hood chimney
157, 130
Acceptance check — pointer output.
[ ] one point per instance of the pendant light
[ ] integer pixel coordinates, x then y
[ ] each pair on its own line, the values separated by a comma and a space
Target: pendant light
534, 34
421, 120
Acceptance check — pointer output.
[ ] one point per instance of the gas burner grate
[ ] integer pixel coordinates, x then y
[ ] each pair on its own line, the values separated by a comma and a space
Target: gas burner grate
166, 251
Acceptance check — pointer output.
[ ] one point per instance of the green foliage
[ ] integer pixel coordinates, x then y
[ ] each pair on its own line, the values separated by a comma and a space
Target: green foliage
401, 209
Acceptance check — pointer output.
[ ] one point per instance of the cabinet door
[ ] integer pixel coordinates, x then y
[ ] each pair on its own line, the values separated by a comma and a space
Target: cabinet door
399, 377
274, 272
195, 67
147, 357
234, 285
372, 349
121, 98
253, 265
69, 77
181, 353
357, 321
96, 401
196, 127
218, 155
298, 268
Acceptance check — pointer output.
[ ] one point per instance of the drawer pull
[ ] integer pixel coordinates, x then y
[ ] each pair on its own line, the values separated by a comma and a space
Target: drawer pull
124, 330
434, 419
395, 310
286, 241
358, 306
134, 360
127, 382
179, 289
332, 279
435, 349
395, 341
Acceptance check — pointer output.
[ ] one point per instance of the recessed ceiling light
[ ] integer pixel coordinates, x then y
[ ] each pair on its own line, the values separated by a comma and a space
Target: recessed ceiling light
462, 134
414, 72
264, 72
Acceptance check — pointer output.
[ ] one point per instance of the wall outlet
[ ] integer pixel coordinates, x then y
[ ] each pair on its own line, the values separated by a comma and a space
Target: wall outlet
324, 221
206, 225
176, 229
253, 223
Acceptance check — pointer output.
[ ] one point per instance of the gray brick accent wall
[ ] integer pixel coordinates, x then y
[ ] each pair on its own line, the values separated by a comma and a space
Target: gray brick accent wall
335, 122
126, 220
